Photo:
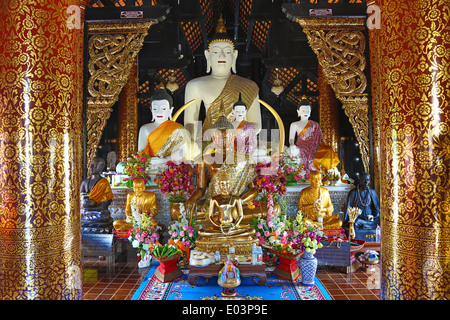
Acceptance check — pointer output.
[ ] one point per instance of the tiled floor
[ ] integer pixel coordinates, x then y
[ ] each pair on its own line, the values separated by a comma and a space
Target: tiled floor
99, 285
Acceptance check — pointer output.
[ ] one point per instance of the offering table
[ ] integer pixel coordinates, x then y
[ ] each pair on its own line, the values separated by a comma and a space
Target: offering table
212, 270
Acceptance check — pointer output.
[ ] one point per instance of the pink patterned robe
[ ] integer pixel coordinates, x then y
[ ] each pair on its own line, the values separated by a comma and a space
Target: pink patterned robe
245, 138
308, 141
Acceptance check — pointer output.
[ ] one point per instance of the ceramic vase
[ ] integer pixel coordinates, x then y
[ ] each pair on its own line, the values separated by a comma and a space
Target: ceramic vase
308, 268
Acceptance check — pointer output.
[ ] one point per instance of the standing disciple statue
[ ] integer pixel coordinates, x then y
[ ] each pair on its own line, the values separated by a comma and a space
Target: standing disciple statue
220, 87
96, 195
163, 139
245, 140
313, 150
366, 199
315, 202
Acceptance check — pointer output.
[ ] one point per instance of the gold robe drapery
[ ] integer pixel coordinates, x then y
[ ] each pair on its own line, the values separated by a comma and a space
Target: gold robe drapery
229, 95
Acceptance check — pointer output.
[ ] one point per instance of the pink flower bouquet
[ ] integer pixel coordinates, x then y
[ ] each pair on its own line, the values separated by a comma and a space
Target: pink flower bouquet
176, 181
136, 169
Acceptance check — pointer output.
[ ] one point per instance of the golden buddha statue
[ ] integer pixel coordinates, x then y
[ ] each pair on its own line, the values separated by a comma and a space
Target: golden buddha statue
225, 214
138, 202
315, 201
217, 158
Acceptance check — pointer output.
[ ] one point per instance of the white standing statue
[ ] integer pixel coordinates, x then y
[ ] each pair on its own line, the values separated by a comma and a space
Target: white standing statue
245, 136
163, 139
314, 152
220, 89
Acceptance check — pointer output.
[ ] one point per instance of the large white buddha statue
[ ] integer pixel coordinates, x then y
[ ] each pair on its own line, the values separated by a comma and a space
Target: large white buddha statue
220, 89
163, 139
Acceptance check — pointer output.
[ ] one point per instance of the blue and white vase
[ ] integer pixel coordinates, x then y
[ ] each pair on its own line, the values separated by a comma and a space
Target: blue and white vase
308, 268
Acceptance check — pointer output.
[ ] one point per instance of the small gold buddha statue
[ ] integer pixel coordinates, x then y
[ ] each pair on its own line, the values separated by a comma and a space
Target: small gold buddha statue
138, 202
225, 214
315, 201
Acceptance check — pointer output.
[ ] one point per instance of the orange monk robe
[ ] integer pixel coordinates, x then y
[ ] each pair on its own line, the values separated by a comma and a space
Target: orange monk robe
101, 192
159, 136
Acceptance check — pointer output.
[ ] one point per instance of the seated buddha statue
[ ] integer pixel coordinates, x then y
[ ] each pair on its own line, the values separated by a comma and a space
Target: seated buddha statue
96, 196
138, 202
218, 157
163, 139
315, 201
225, 214
366, 199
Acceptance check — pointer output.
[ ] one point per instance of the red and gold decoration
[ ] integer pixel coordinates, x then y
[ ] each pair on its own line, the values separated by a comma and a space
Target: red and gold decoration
127, 142
339, 44
40, 150
113, 48
414, 83
167, 255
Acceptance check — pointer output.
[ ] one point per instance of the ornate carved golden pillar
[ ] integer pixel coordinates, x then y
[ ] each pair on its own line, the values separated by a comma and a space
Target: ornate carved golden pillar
113, 48
40, 146
415, 139
328, 112
375, 87
128, 117
339, 44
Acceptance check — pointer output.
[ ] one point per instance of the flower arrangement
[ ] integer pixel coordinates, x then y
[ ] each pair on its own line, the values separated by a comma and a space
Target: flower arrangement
176, 181
292, 167
183, 231
287, 235
269, 179
136, 169
144, 234
332, 176
310, 239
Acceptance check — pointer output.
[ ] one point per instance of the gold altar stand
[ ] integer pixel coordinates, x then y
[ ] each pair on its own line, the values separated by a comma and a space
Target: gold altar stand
246, 270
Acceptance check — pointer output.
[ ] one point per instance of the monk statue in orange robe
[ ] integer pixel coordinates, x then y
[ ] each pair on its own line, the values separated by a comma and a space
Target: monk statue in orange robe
96, 197
163, 139
139, 202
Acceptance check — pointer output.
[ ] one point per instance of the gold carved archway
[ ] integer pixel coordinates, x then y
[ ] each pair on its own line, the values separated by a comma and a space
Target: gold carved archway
339, 44
112, 51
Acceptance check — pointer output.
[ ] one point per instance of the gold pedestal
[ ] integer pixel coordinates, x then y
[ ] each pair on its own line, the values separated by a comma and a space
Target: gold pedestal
242, 247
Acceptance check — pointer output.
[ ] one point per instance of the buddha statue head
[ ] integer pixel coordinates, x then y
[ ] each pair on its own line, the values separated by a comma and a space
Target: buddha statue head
161, 106
239, 109
224, 186
96, 166
304, 109
139, 187
315, 178
364, 181
221, 54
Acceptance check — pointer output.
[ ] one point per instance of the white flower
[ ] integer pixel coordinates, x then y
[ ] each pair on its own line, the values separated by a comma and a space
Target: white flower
135, 244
